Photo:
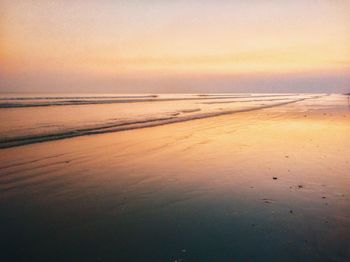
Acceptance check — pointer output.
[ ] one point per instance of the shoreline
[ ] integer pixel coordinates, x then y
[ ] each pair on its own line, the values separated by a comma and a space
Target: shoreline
118, 127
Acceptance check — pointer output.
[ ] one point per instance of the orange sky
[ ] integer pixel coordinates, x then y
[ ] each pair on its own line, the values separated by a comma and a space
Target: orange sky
115, 45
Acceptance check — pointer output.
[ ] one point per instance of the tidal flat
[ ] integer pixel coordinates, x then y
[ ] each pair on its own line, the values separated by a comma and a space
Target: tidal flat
225, 178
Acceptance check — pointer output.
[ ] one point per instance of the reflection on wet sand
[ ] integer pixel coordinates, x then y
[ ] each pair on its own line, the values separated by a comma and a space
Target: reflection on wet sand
266, 185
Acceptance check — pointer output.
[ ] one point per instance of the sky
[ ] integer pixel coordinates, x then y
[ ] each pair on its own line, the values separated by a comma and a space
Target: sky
166, 46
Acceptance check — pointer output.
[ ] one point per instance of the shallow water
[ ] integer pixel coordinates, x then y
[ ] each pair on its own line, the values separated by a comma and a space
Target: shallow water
37, 118
200, 190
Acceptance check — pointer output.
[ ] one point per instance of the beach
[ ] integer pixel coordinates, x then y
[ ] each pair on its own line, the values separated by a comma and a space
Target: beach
229, 178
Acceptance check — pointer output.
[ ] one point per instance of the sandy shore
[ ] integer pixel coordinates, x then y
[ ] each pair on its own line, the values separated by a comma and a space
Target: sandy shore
265, 185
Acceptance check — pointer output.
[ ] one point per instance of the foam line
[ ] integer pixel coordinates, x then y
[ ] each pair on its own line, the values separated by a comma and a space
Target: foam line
86, 101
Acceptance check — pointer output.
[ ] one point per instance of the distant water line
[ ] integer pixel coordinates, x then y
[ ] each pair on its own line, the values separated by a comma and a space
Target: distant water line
64, 101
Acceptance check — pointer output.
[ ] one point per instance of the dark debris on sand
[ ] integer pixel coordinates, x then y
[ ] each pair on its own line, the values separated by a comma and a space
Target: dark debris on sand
267, 201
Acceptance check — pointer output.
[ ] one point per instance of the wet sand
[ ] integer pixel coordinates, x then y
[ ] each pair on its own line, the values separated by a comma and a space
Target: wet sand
265, 185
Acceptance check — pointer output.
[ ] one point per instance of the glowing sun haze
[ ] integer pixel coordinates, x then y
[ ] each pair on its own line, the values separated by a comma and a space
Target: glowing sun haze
175, 46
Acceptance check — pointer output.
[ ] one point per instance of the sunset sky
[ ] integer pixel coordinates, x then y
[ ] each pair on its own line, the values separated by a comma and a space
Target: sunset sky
175, 46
